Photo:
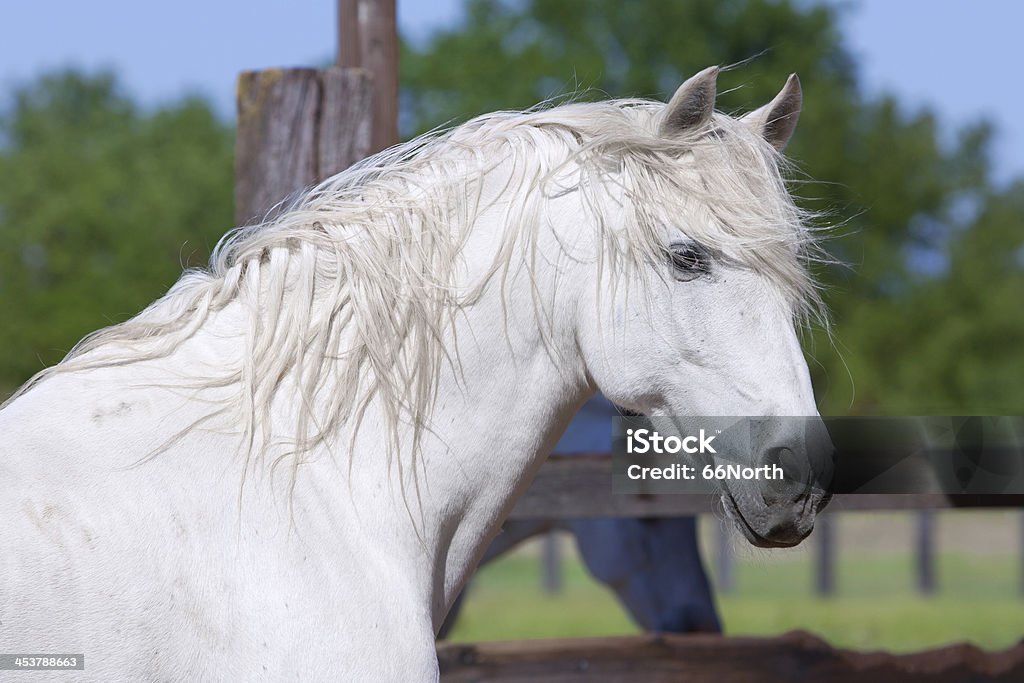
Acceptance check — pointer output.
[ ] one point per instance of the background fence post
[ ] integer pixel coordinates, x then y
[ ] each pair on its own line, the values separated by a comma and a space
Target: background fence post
551, 563
925, 552
295, 128
1021, 550
825, 574
725, 564
368, 39
299, 126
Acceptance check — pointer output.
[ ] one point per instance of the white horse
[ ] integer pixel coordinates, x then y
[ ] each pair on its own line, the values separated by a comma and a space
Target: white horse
288, 465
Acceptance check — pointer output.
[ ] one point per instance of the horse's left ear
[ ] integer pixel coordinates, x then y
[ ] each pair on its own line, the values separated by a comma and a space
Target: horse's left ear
692, 105
776, 120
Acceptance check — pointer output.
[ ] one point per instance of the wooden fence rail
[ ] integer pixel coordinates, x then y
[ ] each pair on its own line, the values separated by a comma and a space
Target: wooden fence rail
700, 658
579, 486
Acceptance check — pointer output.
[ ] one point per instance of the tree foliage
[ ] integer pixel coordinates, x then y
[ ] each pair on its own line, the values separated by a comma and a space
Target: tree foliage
927, 307
101, 204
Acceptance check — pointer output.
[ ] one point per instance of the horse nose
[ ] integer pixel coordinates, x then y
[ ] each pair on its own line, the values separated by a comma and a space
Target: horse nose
784, 526
802, 476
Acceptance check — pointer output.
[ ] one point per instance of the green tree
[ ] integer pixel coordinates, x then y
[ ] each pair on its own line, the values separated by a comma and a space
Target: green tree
892, 192
101, 204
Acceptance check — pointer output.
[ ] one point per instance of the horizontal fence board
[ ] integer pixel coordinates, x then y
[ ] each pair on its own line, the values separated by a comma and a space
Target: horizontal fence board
580, 486
795, 656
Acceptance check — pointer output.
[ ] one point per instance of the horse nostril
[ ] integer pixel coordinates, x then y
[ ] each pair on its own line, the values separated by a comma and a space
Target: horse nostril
794, 480
773, 456
786, 458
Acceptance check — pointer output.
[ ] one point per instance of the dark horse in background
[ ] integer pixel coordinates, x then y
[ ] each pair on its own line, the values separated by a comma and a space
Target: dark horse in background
652, 565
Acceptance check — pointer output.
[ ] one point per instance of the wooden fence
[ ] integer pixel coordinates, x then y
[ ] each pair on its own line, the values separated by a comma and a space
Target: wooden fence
700, 658
578, 486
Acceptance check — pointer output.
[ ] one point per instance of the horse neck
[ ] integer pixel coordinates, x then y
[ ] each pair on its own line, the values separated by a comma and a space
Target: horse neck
513, 383
501, 418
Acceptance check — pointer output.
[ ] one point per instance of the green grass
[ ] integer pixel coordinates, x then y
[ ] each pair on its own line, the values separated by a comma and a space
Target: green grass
505, 602
875, 608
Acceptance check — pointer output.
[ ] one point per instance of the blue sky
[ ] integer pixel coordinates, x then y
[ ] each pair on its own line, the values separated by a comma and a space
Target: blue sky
959, 56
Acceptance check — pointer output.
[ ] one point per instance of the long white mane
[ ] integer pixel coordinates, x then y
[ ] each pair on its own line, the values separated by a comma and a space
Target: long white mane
349, 290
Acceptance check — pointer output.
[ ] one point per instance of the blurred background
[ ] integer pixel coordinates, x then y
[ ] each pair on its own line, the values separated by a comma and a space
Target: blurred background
116, 144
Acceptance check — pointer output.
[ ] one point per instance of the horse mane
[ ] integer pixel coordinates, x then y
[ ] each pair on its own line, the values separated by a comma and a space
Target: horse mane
354, 284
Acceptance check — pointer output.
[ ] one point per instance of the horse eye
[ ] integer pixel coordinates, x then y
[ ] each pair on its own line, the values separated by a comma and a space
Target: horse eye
689, 261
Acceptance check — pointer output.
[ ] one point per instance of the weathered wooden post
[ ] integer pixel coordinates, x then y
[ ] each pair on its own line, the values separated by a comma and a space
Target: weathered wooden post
299, 126
295, 128
368, 39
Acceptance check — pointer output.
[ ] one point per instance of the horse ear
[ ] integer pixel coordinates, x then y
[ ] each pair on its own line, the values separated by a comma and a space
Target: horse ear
776, 120
692, 105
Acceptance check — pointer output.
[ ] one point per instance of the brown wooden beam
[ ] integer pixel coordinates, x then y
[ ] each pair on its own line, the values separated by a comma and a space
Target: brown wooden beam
350, 50
378, 38
793, 657
368, 39
581, 486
